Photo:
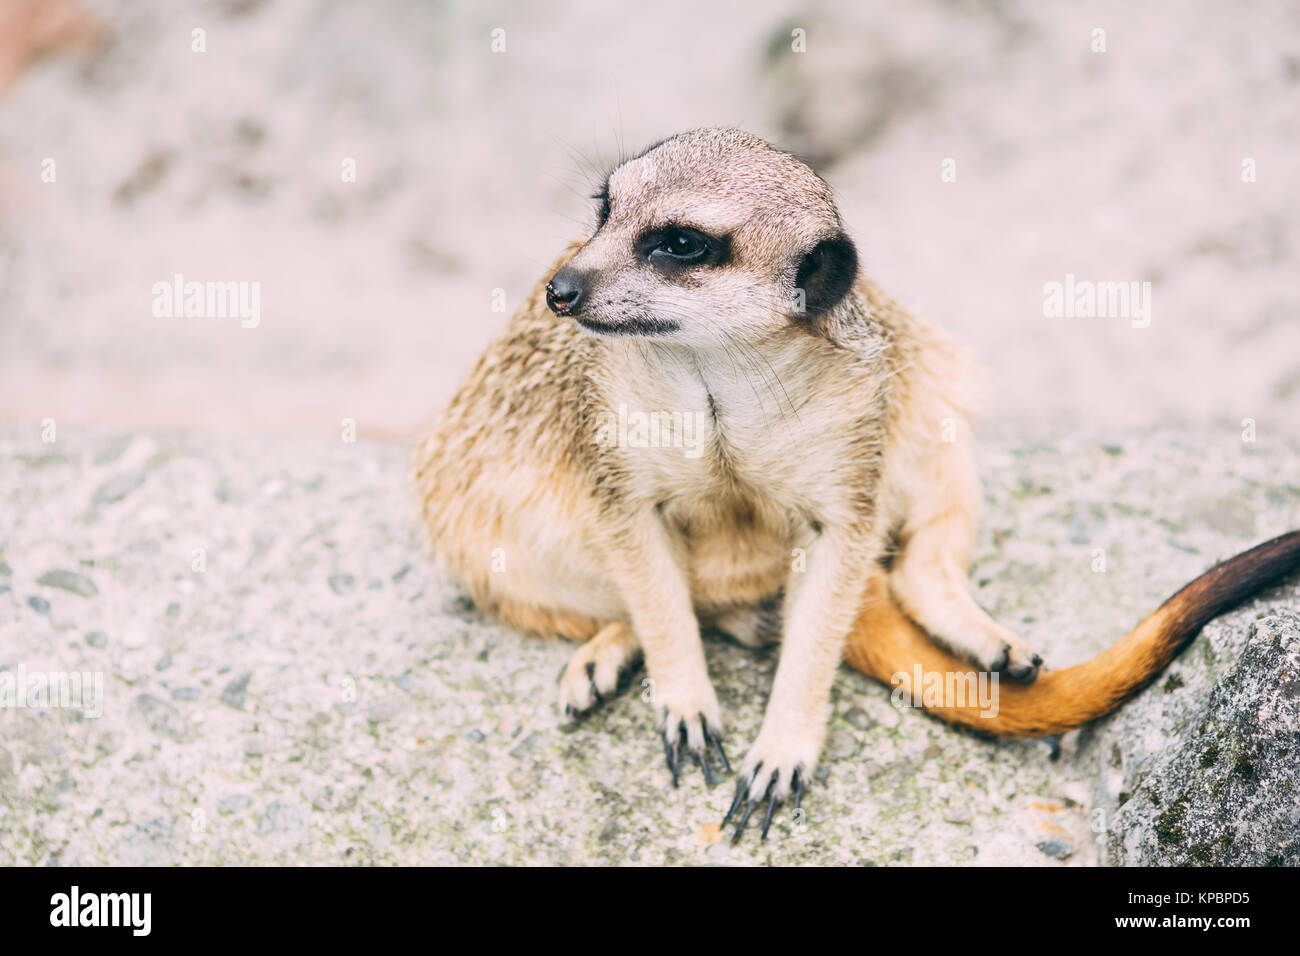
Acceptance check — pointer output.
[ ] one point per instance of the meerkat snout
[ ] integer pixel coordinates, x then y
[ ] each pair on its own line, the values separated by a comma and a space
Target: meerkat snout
564, 292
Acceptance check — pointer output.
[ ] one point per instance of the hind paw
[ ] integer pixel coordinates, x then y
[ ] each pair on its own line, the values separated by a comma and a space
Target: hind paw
1018, 662
597, 669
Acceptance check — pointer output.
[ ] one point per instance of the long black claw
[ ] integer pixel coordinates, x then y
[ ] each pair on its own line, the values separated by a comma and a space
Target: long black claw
742, 790
703, 758
772, 805
755, 797
722, 755
712, 738
740, 827
670, 751
797, 782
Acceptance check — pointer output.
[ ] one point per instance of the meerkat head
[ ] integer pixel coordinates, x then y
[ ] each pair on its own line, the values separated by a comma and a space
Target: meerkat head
706, 238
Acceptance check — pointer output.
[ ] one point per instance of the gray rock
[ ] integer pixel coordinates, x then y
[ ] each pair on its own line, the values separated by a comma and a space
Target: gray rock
113, 449
380, 836
186, 693
69, 581
234, 693
38, 604
859, 718
117, 488
384, 710
1206, 769
525, 746
160, 717
151, 843
342, 583
841, 745
97, 639
1227, 514
956, 810
234, 803
1057, 849
284, 824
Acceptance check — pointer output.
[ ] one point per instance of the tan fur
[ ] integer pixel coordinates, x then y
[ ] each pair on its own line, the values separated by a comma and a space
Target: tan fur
835, 447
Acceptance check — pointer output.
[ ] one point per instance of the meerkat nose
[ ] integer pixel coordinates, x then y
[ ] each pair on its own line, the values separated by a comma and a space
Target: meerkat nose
564, 292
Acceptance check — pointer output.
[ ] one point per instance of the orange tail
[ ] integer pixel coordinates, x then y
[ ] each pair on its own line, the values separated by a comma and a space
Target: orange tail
885, 643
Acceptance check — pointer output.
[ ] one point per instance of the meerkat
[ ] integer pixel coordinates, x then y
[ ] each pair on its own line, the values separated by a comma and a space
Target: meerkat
831, 504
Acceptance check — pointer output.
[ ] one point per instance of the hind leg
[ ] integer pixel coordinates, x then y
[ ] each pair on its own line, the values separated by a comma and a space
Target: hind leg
597, 668
930, 587
928, 576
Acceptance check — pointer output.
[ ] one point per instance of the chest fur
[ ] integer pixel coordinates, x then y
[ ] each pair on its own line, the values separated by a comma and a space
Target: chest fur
731, 441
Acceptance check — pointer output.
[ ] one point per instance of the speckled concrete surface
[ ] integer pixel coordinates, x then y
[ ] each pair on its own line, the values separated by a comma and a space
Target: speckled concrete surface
315, 695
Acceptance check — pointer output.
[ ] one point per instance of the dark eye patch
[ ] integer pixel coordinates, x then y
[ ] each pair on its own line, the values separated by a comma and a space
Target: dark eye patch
674, 248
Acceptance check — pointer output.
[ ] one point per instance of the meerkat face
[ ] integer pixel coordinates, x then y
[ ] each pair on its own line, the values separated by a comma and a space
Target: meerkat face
707, 238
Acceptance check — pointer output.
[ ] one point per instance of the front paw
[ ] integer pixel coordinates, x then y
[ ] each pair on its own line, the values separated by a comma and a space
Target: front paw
776, 768
690, 721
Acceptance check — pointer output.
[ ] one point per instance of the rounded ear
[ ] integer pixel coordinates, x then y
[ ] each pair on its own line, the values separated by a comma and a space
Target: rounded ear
826, 274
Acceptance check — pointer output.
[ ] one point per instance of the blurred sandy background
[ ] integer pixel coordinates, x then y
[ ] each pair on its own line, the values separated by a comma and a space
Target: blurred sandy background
473, 168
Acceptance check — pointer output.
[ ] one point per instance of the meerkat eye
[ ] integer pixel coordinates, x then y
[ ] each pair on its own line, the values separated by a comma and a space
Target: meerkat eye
678, 245
681, 245
673, 248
